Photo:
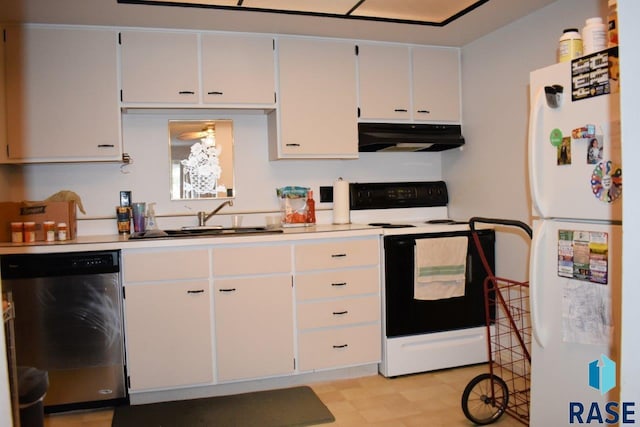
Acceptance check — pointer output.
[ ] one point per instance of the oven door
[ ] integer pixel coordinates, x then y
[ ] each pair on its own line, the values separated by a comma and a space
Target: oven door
405, 315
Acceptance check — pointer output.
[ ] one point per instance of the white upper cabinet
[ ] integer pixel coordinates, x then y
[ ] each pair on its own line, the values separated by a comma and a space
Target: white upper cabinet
436, 84
238, 69
384, 79
408, 83
61, 95
317, 111
159, 67
167, 68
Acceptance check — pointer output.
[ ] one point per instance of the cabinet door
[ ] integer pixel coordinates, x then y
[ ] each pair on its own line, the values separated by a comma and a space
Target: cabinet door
159, 67
436, 84
168, 330
238, 69
384, 81
317, 99
62, 94
254, 327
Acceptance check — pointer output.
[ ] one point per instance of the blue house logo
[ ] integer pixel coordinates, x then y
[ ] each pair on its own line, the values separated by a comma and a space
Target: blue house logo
602, 374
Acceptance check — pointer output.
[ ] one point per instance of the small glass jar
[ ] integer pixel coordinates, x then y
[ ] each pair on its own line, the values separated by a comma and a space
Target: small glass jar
17, 232
29, 232
49, 228
62, 231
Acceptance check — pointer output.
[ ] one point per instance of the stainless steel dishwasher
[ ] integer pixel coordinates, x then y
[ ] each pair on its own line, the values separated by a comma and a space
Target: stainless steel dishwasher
68, 321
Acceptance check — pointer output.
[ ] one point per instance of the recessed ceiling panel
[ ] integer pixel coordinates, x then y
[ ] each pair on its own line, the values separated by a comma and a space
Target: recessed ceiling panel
429, 12
413, 10
333, 7
197, 2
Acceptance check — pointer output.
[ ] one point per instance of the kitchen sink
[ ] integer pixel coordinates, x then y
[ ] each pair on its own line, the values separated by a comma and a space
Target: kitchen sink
206, 231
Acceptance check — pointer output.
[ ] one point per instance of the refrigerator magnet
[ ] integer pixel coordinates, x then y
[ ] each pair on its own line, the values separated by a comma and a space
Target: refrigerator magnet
586, 131
594, 151
564, 152
556, 137
606, 181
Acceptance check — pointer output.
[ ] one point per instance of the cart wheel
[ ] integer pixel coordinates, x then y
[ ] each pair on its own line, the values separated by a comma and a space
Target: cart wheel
478, 405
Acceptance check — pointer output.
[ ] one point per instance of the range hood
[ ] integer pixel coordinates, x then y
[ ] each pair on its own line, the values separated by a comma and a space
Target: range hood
394, 137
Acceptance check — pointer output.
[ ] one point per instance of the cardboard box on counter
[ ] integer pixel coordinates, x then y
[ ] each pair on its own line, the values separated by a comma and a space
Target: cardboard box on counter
37, 212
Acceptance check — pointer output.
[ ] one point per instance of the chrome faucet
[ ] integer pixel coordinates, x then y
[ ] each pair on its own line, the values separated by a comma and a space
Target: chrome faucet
203, 217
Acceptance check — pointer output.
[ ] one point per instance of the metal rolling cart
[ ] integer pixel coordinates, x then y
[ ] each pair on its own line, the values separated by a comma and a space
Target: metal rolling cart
8, 315
506, 387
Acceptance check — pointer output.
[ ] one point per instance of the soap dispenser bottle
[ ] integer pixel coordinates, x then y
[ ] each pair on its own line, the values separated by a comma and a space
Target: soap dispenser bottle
151, 217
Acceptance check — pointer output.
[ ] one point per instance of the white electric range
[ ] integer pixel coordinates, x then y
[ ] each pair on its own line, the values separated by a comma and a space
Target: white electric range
421, 335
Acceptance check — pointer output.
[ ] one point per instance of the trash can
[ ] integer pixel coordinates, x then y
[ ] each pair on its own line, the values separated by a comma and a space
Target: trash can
32, 386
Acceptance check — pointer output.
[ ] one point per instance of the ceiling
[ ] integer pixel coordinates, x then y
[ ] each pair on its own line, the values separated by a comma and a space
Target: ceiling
436, 22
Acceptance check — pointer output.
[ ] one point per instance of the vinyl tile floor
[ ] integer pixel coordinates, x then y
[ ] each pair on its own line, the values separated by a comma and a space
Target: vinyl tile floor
427, 400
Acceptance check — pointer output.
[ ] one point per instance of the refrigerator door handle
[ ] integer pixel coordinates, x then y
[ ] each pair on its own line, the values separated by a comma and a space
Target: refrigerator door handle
535, 284
534, 122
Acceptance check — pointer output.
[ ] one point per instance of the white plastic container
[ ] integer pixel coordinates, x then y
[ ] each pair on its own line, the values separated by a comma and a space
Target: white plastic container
569, 45
594, 36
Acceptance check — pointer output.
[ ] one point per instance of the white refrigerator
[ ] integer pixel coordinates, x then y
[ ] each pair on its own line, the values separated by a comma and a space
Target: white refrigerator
575, 267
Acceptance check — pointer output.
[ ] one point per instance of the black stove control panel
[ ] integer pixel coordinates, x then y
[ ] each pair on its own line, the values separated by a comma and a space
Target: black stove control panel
390, 195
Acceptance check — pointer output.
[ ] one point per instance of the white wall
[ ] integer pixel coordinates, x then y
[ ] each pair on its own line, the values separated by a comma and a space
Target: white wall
146, 140
489, 178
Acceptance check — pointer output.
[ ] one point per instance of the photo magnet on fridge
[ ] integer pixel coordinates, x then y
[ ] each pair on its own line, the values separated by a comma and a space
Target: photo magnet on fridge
594, 151
564, 151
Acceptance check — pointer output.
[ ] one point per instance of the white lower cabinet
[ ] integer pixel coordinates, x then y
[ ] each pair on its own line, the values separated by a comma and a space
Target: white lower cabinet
253, 311
168, 319
254, 327
338, 303
216, 314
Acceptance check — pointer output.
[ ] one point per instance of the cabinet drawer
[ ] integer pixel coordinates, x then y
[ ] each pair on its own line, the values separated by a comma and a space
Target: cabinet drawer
343, 253
339, 347
341, 283
338, 312
251, 260
165, 265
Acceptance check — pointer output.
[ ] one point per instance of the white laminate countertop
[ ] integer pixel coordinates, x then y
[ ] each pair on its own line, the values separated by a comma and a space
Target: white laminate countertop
117, 241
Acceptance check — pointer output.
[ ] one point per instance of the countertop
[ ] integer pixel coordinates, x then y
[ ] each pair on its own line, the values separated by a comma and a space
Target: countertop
122, 241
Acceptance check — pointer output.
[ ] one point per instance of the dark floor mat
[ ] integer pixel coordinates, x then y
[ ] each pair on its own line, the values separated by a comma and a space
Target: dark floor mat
297, 406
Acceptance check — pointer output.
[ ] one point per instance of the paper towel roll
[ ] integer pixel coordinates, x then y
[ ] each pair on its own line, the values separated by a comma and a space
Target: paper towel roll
341, 202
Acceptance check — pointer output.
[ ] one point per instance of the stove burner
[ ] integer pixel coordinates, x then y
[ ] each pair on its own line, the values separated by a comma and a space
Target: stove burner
445, 221
389, 225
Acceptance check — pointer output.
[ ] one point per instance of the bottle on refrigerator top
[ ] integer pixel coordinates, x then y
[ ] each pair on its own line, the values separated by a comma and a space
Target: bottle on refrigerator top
594, 36
62, 231
569, 45
49, 228
612, 21
17, 235
29, 232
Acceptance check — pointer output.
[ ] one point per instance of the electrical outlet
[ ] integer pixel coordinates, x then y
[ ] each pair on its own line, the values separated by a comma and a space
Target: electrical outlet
326, 194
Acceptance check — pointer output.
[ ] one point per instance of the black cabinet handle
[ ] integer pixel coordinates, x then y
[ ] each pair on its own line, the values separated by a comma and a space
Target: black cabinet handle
341, 346
292, 145
214, 93
187, 92
339, 284
400, 110
338, 255
228, 290
106, 145
424, 111
197, 291
340, 313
